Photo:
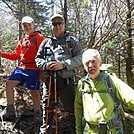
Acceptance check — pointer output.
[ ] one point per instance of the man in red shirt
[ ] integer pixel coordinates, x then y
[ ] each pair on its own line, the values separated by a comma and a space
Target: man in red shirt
27, 71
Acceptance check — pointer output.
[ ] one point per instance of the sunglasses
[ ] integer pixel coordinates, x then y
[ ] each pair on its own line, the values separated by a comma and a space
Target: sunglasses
57, 23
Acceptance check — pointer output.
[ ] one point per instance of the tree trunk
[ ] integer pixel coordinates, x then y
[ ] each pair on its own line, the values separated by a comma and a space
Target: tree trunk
128, 47
65, 11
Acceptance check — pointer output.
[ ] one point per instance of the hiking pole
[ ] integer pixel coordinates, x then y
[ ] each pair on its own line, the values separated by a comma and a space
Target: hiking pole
48, 101
55, 100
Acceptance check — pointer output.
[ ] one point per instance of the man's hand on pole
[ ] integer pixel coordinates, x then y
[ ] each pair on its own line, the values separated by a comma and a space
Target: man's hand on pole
54, 65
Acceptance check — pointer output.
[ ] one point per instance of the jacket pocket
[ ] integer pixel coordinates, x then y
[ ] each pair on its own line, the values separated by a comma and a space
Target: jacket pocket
66, 73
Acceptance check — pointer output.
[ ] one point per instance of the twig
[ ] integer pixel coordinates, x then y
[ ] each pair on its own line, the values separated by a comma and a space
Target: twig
129, 116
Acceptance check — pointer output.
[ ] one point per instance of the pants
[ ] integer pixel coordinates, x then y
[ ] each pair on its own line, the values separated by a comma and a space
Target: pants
66, 92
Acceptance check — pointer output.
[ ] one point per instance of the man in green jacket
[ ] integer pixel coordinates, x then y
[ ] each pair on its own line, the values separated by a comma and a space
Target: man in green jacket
95, 109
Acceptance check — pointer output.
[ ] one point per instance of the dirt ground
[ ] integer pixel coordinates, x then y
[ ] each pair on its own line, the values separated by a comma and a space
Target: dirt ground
24, 123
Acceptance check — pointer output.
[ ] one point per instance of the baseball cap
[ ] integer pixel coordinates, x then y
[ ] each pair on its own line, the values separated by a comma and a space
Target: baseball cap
57, 16
27, 19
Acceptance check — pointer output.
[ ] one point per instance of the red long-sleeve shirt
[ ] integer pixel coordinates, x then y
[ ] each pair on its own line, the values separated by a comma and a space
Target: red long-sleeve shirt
26, 51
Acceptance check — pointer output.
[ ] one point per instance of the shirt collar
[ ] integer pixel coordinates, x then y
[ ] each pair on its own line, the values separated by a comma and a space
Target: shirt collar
87, 77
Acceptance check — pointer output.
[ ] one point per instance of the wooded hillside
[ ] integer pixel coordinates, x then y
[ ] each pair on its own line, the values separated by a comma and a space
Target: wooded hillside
106, 25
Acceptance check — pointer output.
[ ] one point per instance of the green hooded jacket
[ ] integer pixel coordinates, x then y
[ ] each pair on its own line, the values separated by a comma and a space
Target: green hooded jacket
98, 106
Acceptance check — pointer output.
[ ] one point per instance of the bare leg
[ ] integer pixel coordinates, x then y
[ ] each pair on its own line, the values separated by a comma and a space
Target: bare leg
10, 90
9, 112
36, 99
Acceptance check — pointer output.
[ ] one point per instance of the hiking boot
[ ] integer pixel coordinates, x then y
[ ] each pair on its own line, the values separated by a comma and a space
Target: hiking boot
38, 116
8, 113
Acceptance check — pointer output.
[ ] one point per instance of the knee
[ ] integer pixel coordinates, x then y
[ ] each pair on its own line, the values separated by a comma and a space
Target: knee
10, 84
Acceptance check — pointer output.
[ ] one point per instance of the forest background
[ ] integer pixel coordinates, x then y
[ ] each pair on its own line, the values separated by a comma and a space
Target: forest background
107, 25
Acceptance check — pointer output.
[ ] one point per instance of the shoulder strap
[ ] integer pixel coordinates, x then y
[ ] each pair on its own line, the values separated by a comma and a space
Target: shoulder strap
111, 91
82, 90
91, 92
47, 43
68, 44
33, 39
116, 101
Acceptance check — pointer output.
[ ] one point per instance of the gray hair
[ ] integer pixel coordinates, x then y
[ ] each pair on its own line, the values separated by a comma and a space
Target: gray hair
90, 52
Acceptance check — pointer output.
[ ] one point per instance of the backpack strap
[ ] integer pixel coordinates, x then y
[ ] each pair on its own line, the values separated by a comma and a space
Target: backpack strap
33, 39
117, 103
91, 91
111, 91
47, 44
68, 44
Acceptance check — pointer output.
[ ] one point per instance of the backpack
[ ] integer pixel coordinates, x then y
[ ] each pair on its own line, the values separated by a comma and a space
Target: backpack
108, 68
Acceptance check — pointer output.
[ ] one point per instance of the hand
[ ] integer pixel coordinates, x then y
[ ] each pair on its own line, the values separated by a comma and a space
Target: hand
54, 65
0, 52
41, 78
2, 43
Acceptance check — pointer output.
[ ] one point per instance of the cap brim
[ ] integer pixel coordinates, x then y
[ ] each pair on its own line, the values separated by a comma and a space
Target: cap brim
26, 22
56, 16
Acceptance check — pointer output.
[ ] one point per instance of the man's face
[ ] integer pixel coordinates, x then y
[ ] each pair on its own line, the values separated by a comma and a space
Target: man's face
28, 27
92, 65
57, 27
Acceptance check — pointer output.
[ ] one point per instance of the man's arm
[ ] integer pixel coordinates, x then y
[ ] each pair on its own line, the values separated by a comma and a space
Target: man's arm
124, 92
40, 57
